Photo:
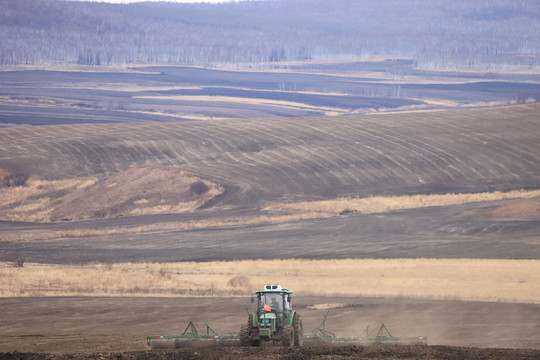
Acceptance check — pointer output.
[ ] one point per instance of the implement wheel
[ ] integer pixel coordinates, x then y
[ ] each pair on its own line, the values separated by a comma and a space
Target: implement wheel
298, 328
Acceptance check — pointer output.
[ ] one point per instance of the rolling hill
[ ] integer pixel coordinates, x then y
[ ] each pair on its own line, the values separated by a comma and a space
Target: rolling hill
268, 170
263, 160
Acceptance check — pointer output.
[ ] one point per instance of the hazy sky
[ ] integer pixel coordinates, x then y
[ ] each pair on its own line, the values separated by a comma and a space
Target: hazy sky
178, 1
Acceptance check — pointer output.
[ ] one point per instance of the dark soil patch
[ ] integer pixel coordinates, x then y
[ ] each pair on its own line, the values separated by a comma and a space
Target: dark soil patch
328, 353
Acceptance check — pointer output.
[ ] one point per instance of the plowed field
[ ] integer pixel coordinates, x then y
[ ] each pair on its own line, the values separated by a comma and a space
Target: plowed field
67, 325
328, 353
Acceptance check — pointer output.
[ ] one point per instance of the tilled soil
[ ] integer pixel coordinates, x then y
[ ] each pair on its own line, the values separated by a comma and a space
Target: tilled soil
116, 328
326, 352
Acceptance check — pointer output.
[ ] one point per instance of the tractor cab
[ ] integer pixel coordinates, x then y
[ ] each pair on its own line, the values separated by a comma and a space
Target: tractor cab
273, 302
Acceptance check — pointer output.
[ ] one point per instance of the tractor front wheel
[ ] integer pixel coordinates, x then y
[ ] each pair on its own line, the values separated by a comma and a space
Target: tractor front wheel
287, 338
244, 336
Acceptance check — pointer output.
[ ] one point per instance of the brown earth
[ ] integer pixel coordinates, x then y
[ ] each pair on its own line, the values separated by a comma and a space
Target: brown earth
526, 209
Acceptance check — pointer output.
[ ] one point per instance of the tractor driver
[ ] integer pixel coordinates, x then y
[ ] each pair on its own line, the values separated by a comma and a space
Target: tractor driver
272, 303
275, 305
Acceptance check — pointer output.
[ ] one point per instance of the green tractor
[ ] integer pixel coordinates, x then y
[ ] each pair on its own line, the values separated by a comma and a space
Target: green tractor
275, 319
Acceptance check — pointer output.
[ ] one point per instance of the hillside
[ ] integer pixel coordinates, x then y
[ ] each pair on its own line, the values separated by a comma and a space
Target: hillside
443, 181
260, 160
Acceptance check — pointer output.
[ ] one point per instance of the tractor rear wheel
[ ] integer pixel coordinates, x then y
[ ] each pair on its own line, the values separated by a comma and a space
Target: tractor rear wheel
298, 328
287, 336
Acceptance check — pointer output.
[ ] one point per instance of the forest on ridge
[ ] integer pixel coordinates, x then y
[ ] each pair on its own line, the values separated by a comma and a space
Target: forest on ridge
435, 34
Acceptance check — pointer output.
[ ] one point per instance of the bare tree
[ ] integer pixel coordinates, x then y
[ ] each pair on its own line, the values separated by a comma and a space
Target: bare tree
522, 96
15, 260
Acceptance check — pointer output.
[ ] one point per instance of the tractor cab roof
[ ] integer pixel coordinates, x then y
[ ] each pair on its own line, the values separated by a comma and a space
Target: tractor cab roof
273, 289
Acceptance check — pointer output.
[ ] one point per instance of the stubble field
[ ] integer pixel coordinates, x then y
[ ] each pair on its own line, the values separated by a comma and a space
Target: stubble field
457, 279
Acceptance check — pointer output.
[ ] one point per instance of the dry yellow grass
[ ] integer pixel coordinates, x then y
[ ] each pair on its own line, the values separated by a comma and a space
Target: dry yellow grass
136, 191
76, 68
157, 227
461, 279
181, 115
293, 211
34, 201
329, 111
378, 204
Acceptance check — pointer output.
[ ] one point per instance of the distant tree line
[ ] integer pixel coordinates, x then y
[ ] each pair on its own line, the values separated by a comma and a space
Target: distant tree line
481, 34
